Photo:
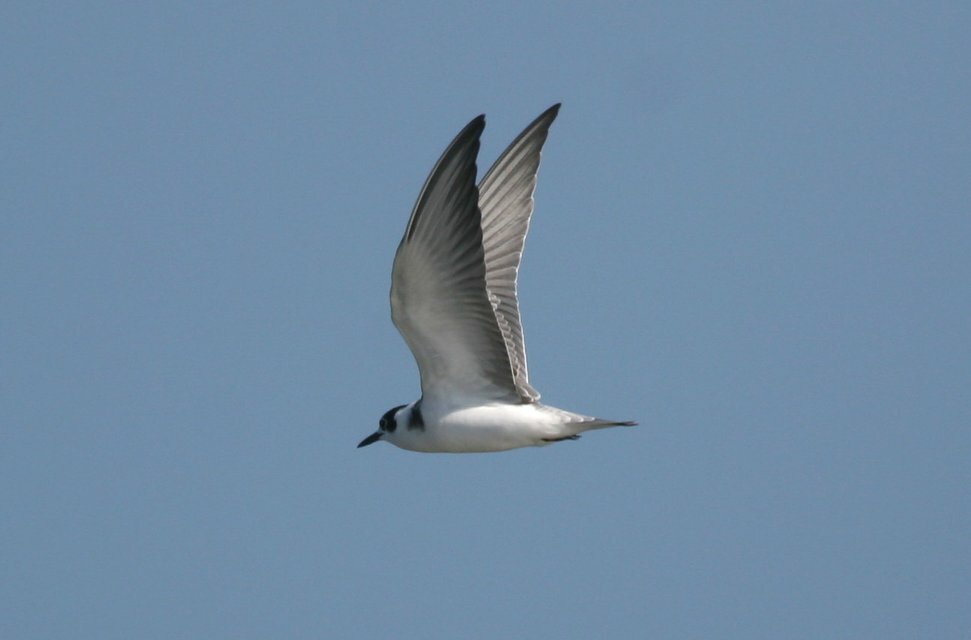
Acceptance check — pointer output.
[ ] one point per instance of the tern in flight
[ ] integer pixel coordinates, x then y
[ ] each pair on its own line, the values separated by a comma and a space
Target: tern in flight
453, 298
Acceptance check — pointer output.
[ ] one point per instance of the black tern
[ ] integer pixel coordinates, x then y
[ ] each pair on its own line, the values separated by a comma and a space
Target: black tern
454, 301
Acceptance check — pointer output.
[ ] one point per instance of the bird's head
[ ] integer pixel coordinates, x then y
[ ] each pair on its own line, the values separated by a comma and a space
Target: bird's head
386, 425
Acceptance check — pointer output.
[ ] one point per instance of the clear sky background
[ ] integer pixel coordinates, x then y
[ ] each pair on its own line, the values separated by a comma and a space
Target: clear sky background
752, 234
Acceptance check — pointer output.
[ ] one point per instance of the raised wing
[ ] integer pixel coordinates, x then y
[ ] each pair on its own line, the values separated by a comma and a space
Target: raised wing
506, 203
438, 284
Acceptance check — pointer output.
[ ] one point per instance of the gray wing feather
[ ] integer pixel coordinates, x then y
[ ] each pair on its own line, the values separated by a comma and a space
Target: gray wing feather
439, 301
506, 204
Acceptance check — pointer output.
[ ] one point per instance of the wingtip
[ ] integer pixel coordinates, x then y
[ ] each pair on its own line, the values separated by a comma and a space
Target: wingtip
474, 127
550, 114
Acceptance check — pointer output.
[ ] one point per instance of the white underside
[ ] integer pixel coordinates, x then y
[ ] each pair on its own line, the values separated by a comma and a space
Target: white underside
489, 427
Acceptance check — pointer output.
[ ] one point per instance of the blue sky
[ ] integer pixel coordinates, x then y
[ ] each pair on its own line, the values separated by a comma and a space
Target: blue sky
752, 235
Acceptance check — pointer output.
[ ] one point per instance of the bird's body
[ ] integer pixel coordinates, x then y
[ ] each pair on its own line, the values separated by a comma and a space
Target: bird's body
473, 427
453, 298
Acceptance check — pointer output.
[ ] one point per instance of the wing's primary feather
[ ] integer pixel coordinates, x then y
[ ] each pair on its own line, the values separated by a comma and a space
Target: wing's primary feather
506, 203
438, 285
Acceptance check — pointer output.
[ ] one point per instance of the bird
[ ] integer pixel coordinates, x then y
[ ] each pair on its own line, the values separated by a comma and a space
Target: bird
454, 300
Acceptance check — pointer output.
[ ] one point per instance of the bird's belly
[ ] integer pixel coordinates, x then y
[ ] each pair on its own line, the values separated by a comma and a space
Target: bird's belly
488, 428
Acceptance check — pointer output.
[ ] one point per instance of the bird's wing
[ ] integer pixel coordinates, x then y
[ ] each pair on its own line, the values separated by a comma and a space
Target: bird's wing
438, 284
506, 203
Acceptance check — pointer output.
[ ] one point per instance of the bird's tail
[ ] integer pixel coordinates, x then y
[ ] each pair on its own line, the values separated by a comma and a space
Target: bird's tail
600, 423
576, 423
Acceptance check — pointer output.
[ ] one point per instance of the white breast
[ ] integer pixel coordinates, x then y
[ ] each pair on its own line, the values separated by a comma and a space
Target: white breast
490, 427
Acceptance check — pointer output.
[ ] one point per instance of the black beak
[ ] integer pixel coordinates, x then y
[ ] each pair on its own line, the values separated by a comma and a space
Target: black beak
371, 439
